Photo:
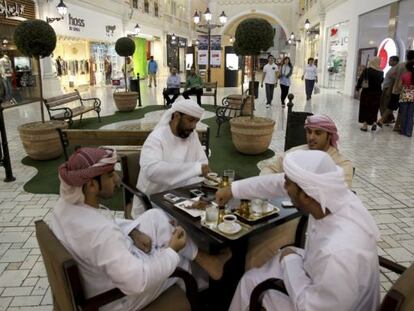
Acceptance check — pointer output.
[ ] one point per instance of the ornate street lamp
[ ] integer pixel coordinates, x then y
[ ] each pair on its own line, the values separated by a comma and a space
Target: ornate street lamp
137, 29
62, 8
209, 26
307, 24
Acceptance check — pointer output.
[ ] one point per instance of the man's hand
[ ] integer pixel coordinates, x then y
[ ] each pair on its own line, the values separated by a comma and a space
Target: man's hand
223, 195
303, 77
285, 252
141, 240
261, 84
178, 239
205, 169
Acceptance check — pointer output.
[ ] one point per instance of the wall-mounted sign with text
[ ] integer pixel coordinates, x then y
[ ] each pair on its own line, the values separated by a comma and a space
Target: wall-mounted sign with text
87, 24
12, 11
386, 49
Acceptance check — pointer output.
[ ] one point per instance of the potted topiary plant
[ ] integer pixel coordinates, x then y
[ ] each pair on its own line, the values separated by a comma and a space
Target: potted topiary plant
250, 134
125, 101
36, 38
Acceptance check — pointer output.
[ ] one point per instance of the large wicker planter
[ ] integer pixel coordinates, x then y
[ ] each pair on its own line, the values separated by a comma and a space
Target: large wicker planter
235, 101
251, 136
41, 140
126, 101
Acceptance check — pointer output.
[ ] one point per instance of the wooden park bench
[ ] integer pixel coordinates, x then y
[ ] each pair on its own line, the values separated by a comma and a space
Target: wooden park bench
209, 89
104, 137
59, 109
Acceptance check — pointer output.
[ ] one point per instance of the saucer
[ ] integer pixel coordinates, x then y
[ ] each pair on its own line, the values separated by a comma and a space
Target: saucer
210, 183
232, 229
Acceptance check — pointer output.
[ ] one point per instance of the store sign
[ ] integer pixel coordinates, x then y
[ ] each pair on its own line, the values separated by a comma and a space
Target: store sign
87, 24
387, 48
11, 9
75, 24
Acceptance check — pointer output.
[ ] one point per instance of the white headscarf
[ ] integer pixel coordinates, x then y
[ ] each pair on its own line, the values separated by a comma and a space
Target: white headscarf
186, 106
316, 173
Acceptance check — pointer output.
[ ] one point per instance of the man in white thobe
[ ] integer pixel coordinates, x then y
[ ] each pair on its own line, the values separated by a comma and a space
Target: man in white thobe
135, 256
321, 134
338, 268
172, 155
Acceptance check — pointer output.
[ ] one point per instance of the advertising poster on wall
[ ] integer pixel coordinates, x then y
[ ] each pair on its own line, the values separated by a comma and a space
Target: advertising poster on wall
215, 50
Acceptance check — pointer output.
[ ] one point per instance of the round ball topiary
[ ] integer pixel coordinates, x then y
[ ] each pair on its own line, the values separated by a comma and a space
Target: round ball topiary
254, 35
35, 38
125, 46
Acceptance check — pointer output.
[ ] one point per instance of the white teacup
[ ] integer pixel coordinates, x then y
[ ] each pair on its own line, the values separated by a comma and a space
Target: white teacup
256, 206
229, 221
212, 175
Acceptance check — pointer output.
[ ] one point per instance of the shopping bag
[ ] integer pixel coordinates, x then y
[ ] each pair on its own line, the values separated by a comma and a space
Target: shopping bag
316, 90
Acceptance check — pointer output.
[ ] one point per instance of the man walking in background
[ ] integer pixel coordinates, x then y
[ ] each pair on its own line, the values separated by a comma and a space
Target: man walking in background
152, 71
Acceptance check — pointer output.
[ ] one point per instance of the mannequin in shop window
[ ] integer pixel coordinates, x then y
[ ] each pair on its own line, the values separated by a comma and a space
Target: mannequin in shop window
108, 70
6, 73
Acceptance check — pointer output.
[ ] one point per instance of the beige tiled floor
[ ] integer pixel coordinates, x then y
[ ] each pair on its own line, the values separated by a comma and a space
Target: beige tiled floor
384, 180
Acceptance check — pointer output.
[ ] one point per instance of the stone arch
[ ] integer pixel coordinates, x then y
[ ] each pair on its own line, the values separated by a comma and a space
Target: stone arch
258, 13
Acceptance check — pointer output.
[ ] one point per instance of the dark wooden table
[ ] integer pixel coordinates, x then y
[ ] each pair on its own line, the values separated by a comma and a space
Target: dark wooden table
220, 292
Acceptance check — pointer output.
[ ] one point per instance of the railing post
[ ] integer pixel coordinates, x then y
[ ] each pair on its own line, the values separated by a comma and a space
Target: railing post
5, 156
139, 91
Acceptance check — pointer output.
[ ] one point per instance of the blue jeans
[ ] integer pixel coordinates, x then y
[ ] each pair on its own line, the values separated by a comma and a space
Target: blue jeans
309, 84
269, 93
407, 115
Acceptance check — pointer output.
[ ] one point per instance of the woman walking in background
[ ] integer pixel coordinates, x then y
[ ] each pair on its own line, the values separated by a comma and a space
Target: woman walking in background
407, 100
311, 77
285, 74
370, 82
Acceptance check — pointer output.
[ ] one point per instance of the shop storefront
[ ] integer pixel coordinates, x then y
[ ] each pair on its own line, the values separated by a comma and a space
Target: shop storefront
379, 36
18, 73
337, 54
85, 50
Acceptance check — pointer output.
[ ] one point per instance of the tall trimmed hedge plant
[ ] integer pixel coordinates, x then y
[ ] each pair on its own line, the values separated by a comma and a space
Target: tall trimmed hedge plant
125, 47
253, 36
36, 38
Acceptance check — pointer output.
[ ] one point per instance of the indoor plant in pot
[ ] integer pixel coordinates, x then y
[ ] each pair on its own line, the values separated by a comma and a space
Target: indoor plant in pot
250, 134
125, 101
36, 38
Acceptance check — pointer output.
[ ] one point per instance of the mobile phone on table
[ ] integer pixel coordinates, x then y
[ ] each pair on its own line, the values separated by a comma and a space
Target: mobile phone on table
287, 204
171, 198
197, 192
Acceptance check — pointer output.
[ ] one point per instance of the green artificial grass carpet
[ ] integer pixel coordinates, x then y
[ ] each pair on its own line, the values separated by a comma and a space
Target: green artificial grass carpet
223, 155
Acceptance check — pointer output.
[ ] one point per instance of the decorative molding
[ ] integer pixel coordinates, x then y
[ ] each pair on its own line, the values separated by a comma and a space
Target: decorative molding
238, 2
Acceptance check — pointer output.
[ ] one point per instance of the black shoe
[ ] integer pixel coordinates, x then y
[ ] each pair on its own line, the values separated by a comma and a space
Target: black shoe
374, 127
364, 129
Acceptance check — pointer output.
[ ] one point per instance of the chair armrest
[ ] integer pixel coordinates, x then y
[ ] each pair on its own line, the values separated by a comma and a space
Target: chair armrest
191, 287
138, 193
391, 265
258, 292
100, 300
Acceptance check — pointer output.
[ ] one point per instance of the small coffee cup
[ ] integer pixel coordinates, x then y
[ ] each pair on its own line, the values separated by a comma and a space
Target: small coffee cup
212, 175
229, 219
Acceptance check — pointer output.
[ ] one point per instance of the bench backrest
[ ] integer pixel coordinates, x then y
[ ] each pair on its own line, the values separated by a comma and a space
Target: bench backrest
88, 138
61, 99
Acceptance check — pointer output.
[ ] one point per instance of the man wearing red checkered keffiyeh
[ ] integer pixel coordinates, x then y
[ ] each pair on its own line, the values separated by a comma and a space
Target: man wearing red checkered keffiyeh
136, 256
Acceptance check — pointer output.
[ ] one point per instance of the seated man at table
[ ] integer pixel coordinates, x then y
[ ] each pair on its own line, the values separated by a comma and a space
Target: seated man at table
135, 256
173, 87
194, 86
338, 268
172, 155
321, 134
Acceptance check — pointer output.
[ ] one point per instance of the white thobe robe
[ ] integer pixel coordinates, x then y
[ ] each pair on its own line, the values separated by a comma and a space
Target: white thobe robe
168, 162
338, 269
107, 257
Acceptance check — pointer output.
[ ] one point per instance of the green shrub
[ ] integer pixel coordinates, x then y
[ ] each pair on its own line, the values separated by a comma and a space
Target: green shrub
35, 38
253, 35
125, 47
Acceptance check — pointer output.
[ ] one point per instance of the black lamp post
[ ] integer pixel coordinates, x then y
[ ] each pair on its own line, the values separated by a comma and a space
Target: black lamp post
62, 10
209, 26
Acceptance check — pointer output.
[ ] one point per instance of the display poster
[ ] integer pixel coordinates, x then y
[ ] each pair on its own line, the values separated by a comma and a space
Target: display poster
215, 50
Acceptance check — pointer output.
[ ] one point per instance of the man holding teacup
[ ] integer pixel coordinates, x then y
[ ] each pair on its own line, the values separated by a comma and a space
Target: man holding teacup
338, 267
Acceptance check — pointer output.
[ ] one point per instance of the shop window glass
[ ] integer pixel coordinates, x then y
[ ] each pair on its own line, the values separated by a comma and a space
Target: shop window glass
135, 4
405, 26
146, 6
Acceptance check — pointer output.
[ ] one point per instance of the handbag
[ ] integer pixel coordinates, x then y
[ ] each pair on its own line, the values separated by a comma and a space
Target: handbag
407, 94
365, 84
316, 90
